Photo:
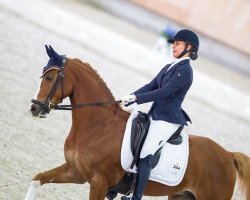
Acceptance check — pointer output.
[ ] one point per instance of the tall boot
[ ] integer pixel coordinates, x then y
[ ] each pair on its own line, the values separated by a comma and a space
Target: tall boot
144, 169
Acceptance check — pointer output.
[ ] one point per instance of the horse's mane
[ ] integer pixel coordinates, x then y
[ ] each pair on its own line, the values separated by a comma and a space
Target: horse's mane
95, 74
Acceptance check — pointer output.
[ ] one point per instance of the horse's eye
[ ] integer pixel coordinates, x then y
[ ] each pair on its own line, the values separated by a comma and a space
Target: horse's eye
48, 77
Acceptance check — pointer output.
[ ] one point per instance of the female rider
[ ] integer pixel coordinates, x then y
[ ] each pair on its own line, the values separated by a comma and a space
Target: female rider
167, 90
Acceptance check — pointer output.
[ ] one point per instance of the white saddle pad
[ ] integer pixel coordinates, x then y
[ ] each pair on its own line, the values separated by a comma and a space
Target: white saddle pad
172, 165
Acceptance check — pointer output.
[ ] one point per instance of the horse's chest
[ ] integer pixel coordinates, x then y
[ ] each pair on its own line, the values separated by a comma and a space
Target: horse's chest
74, 155
70, 155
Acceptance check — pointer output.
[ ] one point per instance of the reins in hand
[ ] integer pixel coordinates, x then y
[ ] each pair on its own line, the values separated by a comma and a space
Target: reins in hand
69, 107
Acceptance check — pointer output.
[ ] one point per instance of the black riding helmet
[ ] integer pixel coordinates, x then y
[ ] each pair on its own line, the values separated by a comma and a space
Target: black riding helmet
189, 37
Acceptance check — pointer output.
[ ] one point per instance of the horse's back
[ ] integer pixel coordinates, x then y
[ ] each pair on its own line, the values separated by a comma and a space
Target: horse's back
207, 152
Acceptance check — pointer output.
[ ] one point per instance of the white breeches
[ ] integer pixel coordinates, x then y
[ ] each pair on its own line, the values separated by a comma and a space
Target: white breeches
159, 132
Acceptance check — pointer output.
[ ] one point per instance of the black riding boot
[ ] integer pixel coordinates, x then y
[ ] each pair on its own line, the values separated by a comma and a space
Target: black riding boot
144, 169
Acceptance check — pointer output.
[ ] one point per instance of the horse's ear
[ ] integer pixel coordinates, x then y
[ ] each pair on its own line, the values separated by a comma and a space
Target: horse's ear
54, 53
48, 51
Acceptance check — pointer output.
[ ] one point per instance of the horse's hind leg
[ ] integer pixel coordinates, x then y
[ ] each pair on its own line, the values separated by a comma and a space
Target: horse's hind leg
61, 174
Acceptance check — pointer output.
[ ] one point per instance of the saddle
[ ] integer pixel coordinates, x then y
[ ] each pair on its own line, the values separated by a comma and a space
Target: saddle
139, 131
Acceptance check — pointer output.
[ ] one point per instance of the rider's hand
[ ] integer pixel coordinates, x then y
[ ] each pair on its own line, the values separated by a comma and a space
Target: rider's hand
128, 99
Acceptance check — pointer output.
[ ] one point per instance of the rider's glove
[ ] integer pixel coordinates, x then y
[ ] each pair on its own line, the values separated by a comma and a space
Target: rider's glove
128, 99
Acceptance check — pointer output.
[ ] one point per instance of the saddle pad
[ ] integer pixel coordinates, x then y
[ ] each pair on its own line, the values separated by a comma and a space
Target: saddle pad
172, 165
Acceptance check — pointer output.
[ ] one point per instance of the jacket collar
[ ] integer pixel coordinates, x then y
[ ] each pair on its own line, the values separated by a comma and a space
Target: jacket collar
177, 62
181, 60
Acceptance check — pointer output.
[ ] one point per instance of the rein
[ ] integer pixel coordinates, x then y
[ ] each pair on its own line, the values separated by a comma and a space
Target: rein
69, 107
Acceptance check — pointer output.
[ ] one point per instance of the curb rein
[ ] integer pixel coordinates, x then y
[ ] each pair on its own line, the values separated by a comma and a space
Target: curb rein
47, 105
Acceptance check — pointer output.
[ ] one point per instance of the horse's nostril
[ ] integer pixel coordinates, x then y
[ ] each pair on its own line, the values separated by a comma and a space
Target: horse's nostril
33, 109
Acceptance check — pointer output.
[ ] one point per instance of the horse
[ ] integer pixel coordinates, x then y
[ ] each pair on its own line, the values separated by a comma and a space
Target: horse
92, 147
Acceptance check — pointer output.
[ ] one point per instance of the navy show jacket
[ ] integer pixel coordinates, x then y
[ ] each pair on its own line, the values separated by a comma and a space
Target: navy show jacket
167, 90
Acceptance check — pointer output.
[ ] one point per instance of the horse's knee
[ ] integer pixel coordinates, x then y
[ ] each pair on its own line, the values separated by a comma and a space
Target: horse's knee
61, 174
38, 177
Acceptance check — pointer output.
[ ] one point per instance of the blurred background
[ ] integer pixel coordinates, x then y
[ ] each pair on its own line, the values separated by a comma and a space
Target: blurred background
223, 26
125, 41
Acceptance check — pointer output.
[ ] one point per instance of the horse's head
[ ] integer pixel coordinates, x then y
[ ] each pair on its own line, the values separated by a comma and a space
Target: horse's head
53, 87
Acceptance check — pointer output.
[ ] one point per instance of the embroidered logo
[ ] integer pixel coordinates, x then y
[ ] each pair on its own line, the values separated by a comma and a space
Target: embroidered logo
177, 167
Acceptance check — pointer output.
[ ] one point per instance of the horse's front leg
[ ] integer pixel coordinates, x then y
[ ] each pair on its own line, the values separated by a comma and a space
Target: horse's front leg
98, 188
61, 174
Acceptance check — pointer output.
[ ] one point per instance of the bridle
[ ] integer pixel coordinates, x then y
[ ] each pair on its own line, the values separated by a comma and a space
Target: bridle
47, 105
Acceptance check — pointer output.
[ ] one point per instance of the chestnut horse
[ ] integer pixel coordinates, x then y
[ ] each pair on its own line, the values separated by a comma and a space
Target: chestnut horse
92, 148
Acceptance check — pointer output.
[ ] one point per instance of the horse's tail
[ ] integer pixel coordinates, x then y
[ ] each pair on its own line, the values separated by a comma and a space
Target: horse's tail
242, 164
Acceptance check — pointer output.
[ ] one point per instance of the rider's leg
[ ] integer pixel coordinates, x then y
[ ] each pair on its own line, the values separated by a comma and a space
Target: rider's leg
144, 169
159, 133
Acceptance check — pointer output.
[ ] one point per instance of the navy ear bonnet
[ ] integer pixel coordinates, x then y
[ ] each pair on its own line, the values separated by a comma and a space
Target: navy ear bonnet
55, 60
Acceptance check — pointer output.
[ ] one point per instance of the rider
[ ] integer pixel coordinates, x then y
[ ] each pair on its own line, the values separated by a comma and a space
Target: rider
167, 90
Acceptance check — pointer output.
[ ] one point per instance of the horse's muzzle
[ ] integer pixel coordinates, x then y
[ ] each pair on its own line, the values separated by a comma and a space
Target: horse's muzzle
38, 111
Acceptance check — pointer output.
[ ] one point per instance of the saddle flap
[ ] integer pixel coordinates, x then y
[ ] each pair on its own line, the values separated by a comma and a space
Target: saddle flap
139, 131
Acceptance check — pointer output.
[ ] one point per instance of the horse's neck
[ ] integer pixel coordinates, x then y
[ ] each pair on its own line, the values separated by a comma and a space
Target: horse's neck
94, 128
89, 88
88, 85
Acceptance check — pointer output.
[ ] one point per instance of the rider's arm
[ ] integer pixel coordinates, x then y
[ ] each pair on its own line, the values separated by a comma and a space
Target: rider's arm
181, 77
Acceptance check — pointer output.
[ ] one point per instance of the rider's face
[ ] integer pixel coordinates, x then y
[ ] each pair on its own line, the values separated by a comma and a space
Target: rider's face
178, 47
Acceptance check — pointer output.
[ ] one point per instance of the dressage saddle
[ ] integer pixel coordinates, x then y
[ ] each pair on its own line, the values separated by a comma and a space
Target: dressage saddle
139, 131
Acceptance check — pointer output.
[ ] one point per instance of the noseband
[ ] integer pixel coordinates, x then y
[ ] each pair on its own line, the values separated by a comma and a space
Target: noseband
47, 105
